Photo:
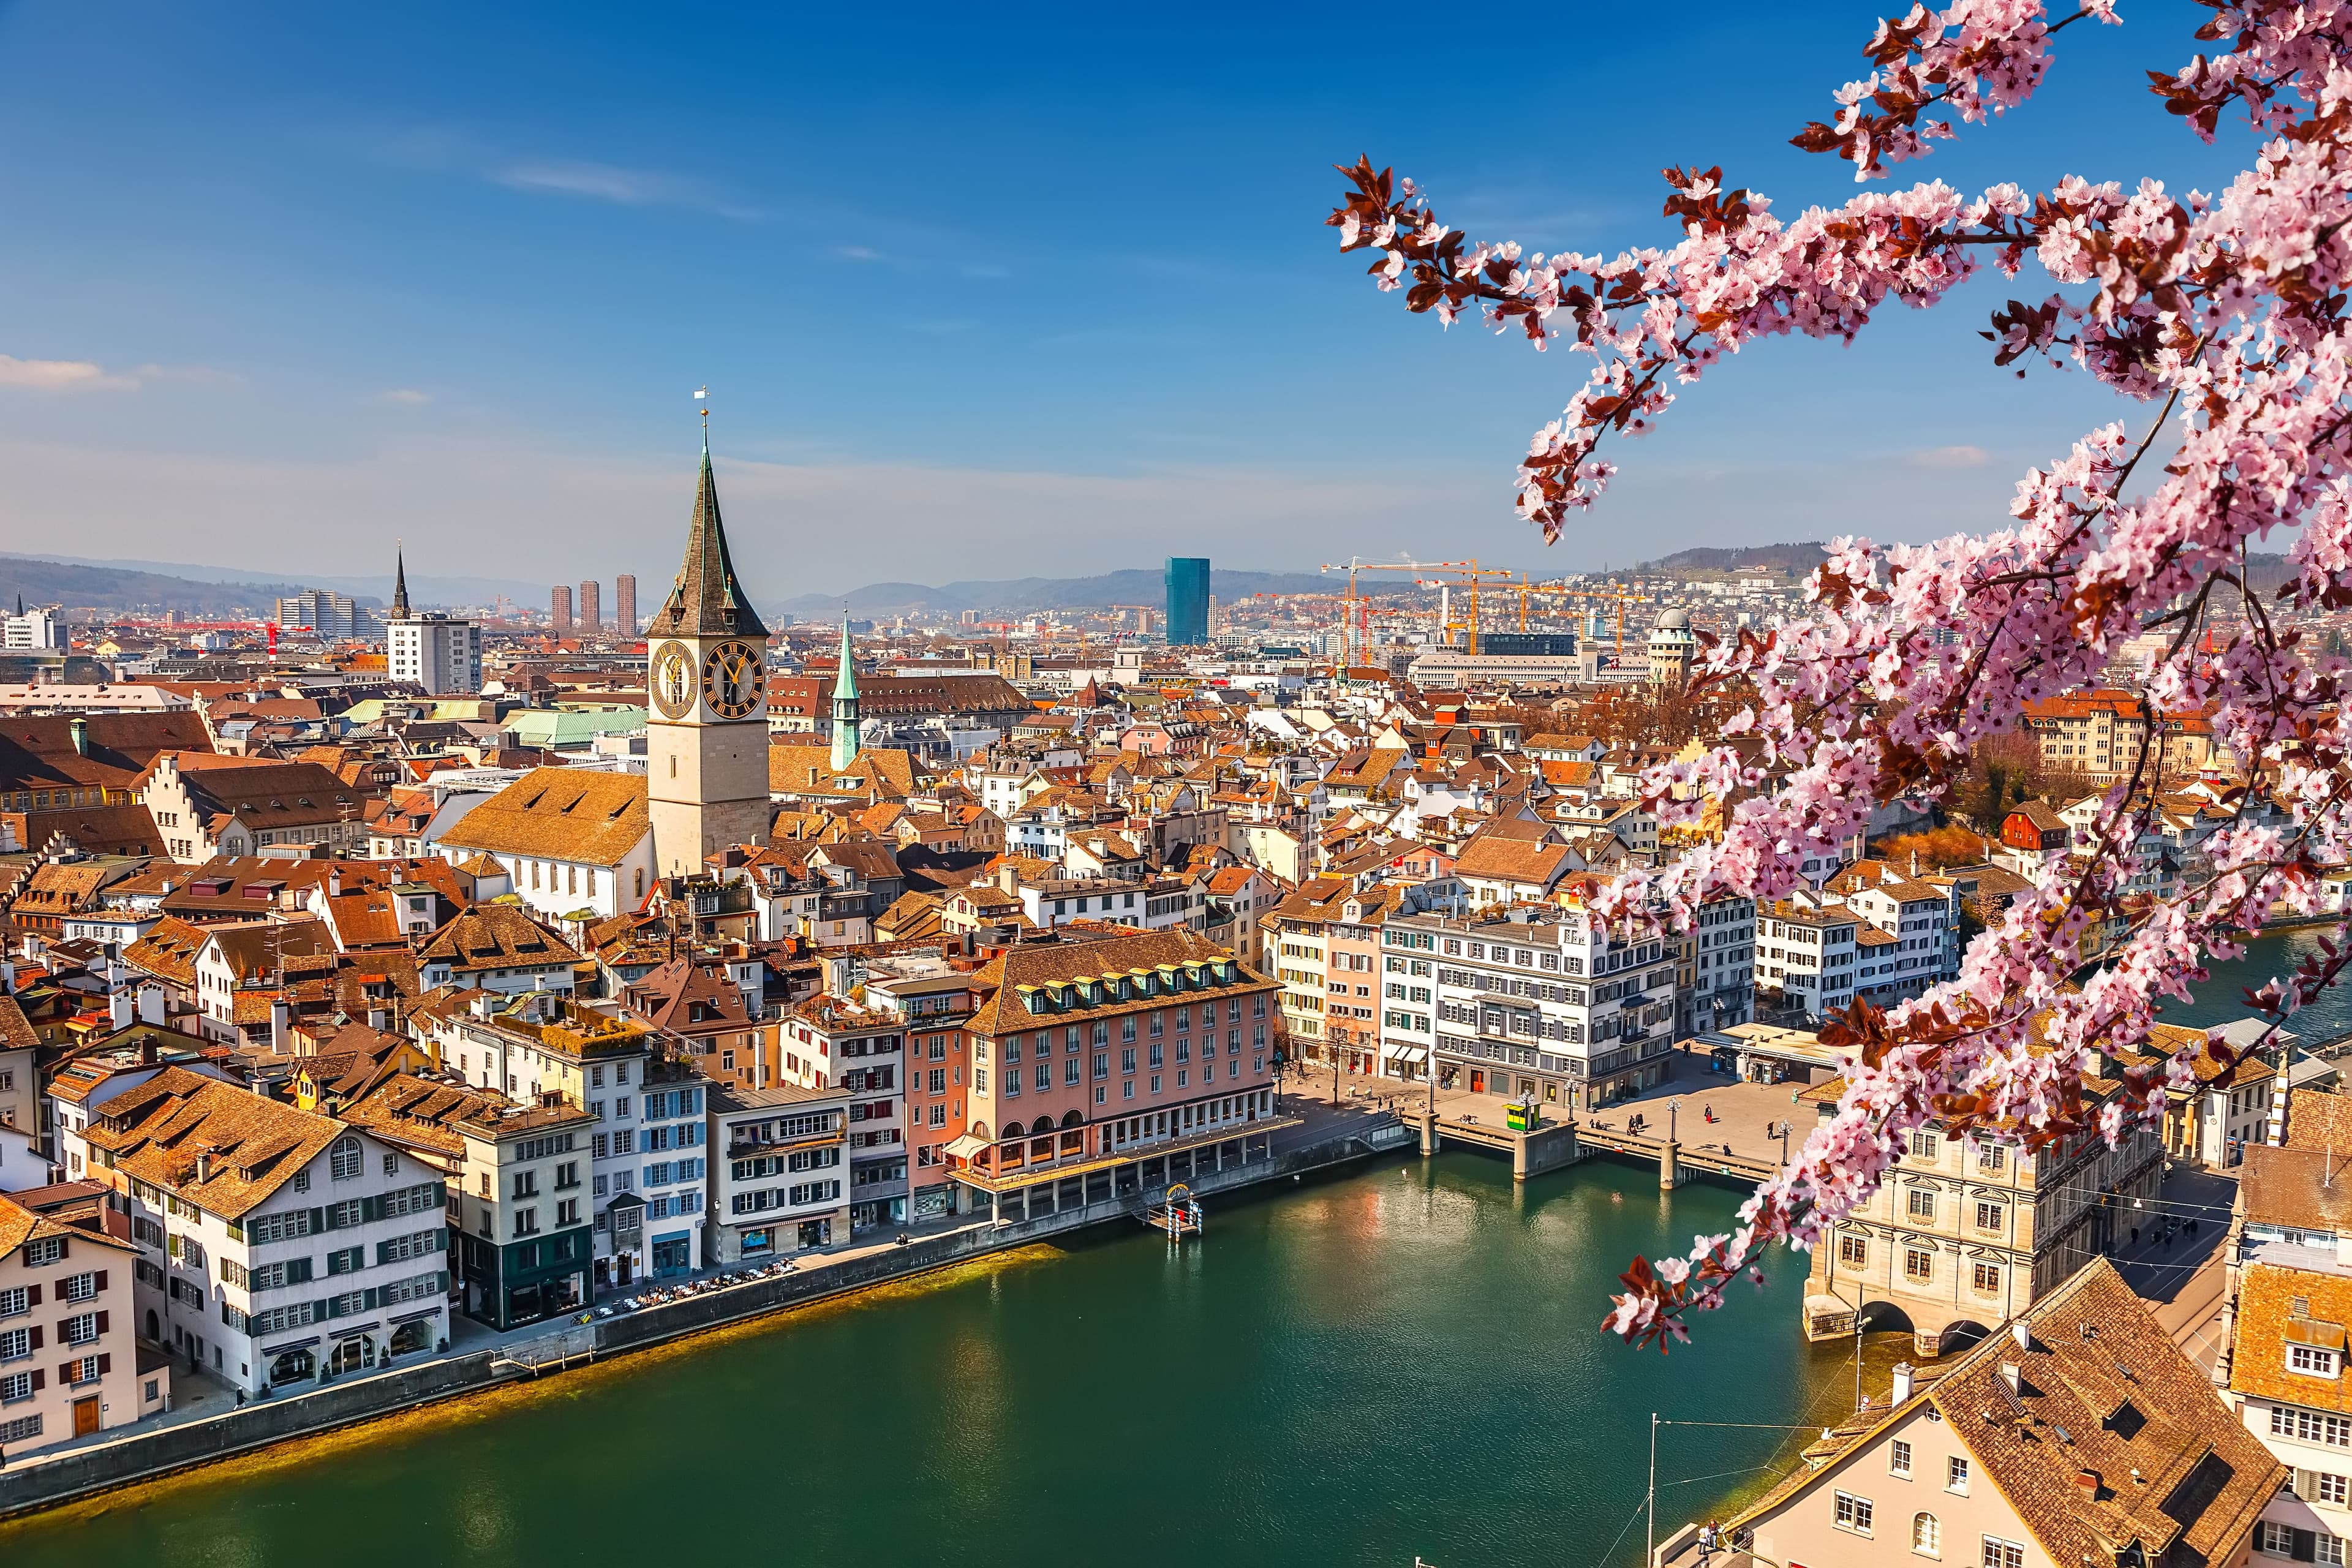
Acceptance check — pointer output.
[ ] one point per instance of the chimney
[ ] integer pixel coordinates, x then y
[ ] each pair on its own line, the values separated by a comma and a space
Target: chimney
79, 727
2088, 1481
2021, 1334
121, 1009
151, 1004
203, 1165
1902, 1384
2011, 1375
281, 1018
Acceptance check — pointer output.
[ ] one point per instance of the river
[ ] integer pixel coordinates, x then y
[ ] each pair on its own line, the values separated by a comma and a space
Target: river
1401, 1361
2222, 999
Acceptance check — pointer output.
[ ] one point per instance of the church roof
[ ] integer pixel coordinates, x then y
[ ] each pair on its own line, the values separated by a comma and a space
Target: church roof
707, 601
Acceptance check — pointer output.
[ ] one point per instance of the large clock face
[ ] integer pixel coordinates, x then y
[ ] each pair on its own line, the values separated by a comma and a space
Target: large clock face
733, 676
673, 679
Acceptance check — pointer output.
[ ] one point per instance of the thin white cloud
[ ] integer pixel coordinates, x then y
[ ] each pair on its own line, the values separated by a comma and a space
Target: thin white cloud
83, 375
408, 397
611, 183
1951, 457
62, 375
857, 253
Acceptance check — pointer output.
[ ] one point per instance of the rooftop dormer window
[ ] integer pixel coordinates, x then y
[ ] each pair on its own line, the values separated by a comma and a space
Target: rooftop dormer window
2312, 1361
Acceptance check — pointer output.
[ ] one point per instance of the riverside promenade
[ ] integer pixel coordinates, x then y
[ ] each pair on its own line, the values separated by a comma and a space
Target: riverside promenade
211, 1426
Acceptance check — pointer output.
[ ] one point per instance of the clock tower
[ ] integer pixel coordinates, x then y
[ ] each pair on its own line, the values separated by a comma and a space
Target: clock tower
706, 691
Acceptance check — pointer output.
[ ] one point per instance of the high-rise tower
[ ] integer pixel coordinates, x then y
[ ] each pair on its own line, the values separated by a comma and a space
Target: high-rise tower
707, 733
845, 703
625, 604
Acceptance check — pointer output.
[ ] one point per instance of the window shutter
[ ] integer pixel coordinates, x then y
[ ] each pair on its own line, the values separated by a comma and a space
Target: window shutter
36, 1331
65, 1371
32, 1295
101, 1322
444, 1281
39, 1377
373, 1293
441, 1240
65, 1250
101, 1281
372, 1208
105, 1365
2305, 1547
65, 1331
318, 1220
383, 1252
440, 1195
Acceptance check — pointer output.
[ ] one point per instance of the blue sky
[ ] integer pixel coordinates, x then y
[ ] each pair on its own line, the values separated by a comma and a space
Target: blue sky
978, 291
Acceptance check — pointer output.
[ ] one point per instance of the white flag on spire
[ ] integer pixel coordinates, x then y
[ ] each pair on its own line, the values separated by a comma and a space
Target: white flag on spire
702, 394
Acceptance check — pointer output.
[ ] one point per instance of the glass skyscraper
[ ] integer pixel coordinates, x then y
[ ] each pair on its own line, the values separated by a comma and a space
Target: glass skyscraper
1187, 601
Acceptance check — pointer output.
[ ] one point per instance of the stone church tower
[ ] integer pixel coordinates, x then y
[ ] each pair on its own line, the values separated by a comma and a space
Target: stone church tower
706, 686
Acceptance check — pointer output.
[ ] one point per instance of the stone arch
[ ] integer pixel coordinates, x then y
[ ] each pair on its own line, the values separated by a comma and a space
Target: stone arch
1882, 1318
1959, 1335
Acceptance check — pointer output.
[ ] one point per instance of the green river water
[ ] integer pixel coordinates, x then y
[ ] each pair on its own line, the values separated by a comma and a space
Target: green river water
1399, 1362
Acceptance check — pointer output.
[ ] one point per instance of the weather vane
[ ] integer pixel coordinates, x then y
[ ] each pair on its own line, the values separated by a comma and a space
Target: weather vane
702, 396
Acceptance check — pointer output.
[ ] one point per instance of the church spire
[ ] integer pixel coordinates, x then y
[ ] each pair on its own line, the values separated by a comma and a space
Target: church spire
399, 583
706, 601
845, 703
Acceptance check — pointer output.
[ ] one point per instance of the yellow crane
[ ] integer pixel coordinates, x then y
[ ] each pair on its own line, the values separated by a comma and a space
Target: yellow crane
1569, 591
1358, 621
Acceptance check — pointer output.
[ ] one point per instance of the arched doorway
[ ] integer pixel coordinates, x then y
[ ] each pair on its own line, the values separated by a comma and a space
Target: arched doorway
1074, 1136
154, 1326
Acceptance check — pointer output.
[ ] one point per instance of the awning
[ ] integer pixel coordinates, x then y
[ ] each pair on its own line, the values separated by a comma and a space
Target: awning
965, 1147
415, 1316
1411, 1053
290, 1345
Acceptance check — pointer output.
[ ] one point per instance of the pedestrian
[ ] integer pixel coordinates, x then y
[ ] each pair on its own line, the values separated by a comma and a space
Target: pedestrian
240, 1399
2192, 1230
2134, 1235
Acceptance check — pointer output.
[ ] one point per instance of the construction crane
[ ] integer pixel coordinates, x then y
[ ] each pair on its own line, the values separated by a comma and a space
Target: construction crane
1469, 571
1567, 591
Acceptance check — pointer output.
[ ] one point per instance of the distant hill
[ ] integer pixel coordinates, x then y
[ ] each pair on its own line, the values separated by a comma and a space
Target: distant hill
1793, 562
80, 587
1020, 596
1787, 561
374, 588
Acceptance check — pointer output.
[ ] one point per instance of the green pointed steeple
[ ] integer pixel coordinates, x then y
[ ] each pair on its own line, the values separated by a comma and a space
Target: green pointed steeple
845, 703
399, 583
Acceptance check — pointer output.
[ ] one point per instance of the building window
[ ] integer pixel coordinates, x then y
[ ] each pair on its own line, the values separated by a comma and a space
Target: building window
1956, 1476
1926, 1535
2312, 1360
1920, 1203
1918, 1266
2272, 1538
1990, 1216
1854, 1251
1898, 1457
347, 1162
1986, 1279
1999, 1553
1854, 1513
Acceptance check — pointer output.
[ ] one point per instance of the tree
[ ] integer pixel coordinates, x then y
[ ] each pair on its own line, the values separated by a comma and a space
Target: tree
2228, 311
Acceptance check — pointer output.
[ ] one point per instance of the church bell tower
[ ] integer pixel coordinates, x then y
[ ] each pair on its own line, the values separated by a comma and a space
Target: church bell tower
706, 687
